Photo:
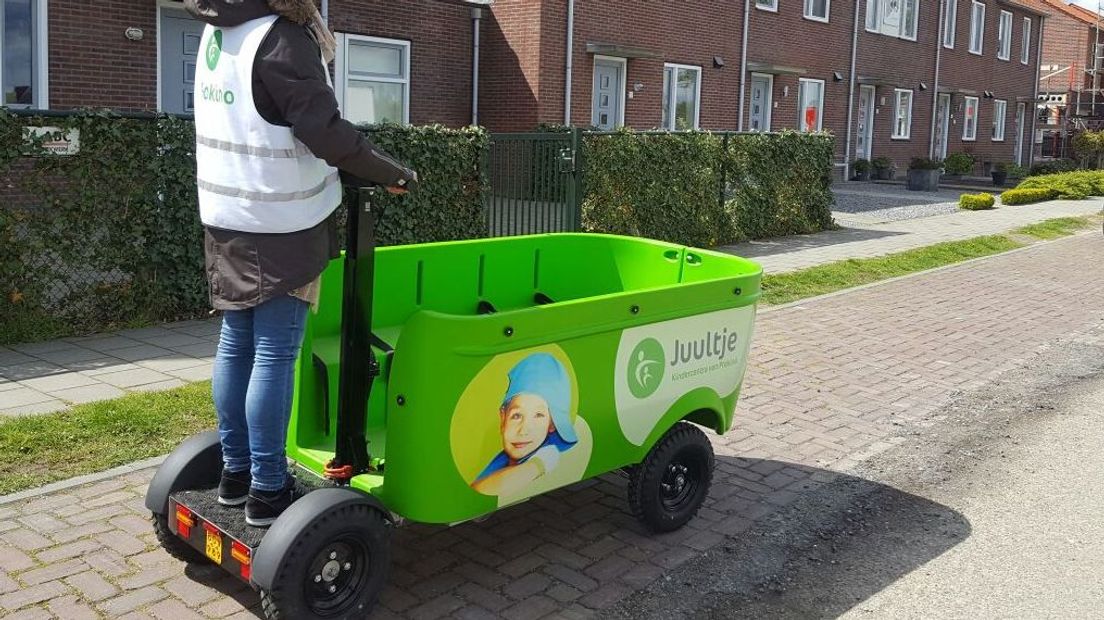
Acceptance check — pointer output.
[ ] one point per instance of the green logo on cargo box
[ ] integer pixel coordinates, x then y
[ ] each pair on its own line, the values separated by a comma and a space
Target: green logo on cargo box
214, 50
646, 368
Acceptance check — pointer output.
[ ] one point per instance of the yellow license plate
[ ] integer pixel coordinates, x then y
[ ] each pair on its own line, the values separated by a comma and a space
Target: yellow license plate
214, 545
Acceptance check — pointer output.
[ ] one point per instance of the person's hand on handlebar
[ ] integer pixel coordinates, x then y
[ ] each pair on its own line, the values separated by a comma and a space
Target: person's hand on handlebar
404, 185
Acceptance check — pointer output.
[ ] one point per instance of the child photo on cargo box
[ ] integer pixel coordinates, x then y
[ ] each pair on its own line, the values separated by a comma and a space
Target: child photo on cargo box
535, 422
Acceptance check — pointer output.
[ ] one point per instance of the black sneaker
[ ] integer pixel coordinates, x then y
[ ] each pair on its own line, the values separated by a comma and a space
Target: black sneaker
234, 487
262, 507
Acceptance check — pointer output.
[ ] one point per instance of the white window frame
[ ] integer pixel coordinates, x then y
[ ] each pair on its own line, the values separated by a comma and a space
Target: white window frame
673, 96
999, 119
972, 135
1004, 36
1025, 42
815, 18
770, 6
897, 92
801, 109
40, 86
950, 23
980, 40
341, 82
875, 11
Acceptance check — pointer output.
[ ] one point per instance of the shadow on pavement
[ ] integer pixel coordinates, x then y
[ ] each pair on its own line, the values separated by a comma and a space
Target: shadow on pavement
837, 545
796, 243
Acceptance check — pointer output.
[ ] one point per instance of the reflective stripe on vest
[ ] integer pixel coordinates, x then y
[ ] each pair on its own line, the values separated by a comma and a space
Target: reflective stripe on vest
253, 176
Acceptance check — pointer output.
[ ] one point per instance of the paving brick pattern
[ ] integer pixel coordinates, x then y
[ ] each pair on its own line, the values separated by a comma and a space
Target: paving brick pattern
829, 383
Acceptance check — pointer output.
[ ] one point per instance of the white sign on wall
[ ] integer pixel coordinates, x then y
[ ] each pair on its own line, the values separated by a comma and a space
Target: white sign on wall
57, 142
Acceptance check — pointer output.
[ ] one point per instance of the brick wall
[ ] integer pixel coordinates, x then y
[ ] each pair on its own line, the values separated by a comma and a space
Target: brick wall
92, 63
510, 77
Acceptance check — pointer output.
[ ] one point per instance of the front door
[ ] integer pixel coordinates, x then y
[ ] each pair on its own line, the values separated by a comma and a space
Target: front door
942, 125
180, 35
1021, 112
865, 135
761, 87
606, 108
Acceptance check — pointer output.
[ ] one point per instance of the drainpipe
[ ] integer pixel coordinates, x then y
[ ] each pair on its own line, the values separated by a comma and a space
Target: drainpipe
1035, 101
743, 63
477, 17
326, 11
568, 67
935, 80
851, 94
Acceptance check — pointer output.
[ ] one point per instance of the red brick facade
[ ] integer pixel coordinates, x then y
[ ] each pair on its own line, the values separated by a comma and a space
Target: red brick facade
523, 58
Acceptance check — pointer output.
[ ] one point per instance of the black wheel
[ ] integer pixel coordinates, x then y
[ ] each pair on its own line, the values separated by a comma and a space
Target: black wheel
335, 569
173, 544
668, 488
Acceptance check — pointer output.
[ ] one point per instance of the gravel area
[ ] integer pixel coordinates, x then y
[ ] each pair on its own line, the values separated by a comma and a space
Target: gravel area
907, 212
859, 199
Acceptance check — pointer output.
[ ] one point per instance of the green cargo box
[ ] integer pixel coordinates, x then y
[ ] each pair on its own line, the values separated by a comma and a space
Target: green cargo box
574, 352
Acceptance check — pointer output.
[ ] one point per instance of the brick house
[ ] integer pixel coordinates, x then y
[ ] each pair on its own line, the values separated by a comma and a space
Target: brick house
1066, 72
866, 71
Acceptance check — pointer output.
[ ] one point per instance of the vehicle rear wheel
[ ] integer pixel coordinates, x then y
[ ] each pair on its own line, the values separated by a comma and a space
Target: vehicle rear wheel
335, 569
173, 544
669, 486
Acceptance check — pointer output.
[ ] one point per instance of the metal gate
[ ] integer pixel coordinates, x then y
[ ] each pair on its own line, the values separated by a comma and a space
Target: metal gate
535, 183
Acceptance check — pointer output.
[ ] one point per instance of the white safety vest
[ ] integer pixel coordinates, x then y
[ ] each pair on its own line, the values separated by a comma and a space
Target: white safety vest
253, 176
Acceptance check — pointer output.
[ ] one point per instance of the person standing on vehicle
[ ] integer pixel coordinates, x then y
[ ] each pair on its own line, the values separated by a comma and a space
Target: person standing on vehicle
269, 145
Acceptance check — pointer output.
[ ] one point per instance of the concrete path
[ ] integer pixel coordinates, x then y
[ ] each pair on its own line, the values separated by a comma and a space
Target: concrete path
51, 376
864, 236
831, 382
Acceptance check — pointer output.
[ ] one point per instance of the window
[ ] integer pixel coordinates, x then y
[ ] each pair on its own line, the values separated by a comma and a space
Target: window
999, 110
977, 27
969, 122
1025, 41
902, 114
895, 18
1004, 36
681, 97
950, 10
22, 52
810, 97
767, 5
816, 10
375, 79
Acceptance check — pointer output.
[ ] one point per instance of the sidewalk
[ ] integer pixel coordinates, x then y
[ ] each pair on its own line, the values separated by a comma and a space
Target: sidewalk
832, 381
50, 376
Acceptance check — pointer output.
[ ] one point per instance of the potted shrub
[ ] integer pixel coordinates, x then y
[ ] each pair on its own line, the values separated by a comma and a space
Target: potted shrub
862, 169
1016, 172
958, 164
923, 174
884, 169
999, 173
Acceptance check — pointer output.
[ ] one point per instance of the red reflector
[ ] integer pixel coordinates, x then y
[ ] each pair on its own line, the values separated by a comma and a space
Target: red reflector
211, 528
240, 553
246, 572
184, 530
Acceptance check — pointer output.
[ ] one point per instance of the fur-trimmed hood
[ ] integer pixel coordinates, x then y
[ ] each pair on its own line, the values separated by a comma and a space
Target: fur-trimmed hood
230, 13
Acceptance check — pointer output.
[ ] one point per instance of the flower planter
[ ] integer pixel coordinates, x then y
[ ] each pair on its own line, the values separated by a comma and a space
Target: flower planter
862, 176
923, 180
884, 174
999, 178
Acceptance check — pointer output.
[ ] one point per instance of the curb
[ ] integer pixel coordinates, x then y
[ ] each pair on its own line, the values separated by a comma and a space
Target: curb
69, 483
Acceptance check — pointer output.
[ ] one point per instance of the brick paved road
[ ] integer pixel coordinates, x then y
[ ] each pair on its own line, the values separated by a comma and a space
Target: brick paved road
830, 380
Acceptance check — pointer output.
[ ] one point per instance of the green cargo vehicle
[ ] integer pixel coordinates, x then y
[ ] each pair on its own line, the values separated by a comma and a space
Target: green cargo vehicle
494, 370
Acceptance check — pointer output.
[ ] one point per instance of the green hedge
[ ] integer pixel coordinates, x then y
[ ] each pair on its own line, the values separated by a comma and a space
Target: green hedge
1027, 195
111, 236
707, 189
1069, 185
976, 202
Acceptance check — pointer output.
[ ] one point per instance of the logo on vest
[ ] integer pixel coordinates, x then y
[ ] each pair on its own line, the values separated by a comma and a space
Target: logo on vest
214, 50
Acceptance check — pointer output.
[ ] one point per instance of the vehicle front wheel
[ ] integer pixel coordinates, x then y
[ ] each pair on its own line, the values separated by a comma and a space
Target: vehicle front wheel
669, 486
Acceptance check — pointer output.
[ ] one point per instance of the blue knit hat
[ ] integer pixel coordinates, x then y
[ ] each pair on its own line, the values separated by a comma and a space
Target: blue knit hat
543, 375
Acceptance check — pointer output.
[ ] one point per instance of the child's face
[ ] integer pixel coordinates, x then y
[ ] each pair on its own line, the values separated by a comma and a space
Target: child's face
526, 422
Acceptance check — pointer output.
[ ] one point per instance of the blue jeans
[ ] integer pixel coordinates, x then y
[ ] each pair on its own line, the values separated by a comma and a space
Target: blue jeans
252, 384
